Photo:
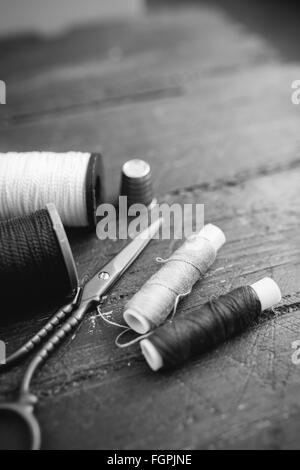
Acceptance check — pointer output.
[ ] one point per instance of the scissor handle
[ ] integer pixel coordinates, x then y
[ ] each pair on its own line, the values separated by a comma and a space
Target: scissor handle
44, 331
54, 340
26, 420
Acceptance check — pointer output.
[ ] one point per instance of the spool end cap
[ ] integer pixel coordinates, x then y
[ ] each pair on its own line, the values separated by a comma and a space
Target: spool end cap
151, 354
136, 321
214, 235
268, 292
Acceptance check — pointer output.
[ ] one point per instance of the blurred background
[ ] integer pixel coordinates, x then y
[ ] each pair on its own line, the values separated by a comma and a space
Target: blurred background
182, 82
49, 17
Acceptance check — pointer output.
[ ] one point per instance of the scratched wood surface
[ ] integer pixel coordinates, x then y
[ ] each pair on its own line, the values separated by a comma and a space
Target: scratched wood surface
204, 95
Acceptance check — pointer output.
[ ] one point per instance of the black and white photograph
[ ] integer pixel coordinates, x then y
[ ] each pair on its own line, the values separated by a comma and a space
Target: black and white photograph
149, 228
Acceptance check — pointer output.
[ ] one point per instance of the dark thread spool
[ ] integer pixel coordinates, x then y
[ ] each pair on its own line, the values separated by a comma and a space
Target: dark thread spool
36, 263
201, 330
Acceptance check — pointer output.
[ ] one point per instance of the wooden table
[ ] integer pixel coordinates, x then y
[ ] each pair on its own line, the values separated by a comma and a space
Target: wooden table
204, 95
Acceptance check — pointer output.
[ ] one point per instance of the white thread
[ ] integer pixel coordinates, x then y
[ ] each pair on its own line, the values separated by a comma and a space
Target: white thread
151, 306
129, 343
30, 180
110, 322
125, 328
177, 300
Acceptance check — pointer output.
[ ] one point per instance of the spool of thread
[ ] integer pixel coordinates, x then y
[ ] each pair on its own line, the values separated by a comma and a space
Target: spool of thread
36, 262
207, 327
71, 180
150, 307
136, 182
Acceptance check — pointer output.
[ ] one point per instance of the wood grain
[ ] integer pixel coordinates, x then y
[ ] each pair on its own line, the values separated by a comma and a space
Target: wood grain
168, 89
240, 386
207, 103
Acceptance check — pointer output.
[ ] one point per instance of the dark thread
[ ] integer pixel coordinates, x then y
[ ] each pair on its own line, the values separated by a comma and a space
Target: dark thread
31, 263
205, 328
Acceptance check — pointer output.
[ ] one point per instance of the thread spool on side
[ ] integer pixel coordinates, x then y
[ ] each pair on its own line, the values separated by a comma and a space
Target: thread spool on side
37, 268
71, 180
139, 322
268, 293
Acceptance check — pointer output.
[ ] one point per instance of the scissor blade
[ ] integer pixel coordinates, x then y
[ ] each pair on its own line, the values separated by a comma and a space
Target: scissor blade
104, 279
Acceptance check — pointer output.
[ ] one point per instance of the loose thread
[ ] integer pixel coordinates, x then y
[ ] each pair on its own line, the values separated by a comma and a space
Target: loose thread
129, 343
124, 327
127, 329
177, 300
110, 322
158, 259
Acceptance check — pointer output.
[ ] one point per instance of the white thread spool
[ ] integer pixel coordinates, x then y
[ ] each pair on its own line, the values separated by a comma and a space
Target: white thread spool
268, 292
71, 180
149, 307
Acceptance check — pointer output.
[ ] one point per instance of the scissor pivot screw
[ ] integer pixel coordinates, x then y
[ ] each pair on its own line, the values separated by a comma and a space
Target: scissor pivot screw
103, 275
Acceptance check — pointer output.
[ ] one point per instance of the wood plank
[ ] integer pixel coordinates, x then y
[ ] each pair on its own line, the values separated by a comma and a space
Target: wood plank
241, 119
230, 396
89, 66
177, 95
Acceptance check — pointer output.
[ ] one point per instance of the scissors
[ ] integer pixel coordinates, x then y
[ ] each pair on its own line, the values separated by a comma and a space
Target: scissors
18, 417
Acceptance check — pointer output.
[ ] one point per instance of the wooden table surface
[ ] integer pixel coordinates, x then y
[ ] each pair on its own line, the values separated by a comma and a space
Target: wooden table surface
204, 94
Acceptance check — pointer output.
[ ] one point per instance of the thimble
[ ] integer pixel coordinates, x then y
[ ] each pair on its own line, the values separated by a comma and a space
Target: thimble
136, 182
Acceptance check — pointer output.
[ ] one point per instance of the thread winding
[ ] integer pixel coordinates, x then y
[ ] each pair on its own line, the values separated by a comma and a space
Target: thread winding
30, 180
205, 328
161, 293
32, 267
